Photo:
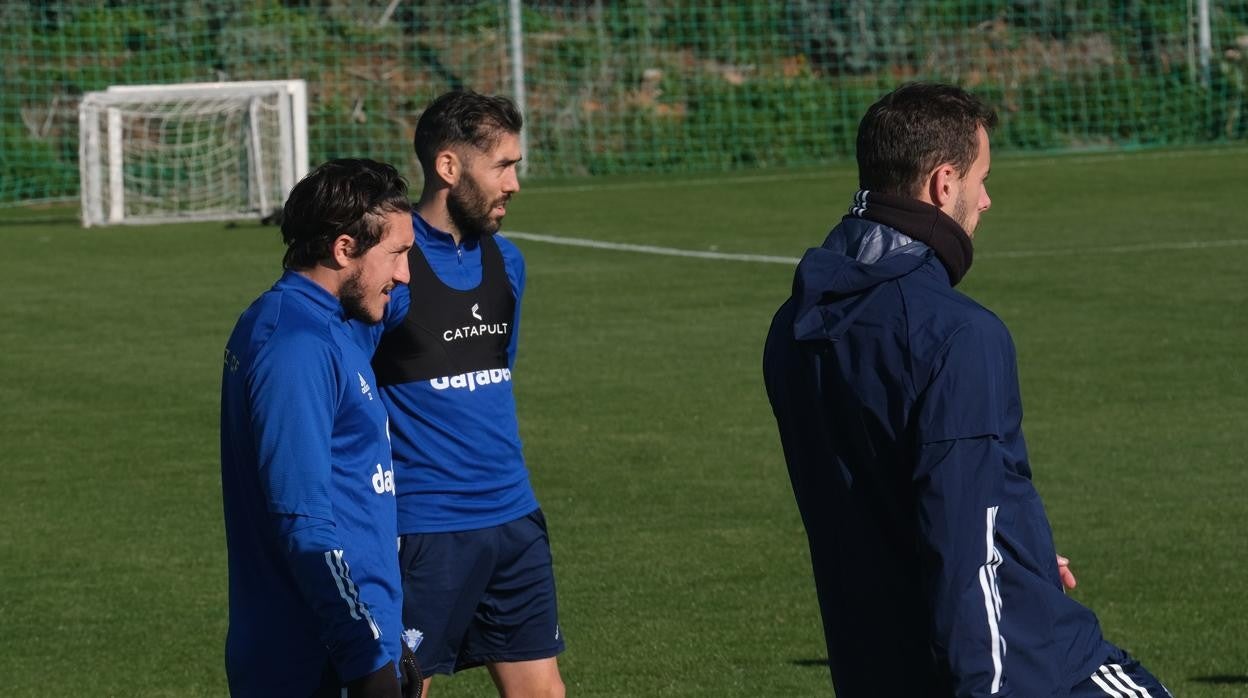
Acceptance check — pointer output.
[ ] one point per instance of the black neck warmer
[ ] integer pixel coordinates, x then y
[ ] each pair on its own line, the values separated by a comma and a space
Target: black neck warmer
921, 221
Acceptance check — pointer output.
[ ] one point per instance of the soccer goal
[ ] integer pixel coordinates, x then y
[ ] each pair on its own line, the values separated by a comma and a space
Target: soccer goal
196, 151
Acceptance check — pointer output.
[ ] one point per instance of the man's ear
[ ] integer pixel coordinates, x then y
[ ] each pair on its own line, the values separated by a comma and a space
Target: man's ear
942, 185
340, 251
448, 166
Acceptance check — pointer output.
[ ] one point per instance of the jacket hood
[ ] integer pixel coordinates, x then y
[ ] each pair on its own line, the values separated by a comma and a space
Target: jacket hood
833, 282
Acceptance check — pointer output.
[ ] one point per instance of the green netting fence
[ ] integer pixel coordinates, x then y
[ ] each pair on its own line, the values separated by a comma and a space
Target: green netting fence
637, 85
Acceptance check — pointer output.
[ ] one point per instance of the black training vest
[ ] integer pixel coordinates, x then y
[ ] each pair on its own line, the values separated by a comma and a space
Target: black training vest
448, 332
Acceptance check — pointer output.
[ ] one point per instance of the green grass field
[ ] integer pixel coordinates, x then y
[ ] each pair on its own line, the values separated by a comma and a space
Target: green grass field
681, 561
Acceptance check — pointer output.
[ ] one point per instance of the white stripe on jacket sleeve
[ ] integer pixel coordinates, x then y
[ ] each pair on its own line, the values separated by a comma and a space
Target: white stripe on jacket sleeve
992, 596
341, 573
1125, 678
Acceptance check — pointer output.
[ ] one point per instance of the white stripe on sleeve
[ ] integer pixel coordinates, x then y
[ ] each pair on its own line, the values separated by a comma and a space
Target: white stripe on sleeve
1107, 674
1126, 679
860, 203
341, 572
1105, 687
992, 596
332, 560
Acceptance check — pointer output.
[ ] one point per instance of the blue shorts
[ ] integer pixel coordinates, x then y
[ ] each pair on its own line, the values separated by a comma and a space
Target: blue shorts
478, 597
1120, 676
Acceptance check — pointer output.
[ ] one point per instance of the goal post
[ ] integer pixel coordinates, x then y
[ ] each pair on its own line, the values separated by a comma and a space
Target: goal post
195, 151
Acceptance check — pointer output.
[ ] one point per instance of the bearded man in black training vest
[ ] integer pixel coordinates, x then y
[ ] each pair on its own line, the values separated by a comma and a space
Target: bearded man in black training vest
478, 581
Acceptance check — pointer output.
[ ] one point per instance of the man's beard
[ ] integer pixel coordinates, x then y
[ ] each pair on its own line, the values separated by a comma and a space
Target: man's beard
351, 295
961, 216
469, 210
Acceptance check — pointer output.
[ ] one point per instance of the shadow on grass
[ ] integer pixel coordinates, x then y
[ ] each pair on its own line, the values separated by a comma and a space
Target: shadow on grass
38, 221
810, 662
1223, 679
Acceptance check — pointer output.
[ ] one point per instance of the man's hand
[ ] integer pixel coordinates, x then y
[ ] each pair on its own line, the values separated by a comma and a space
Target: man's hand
383, 683
1063, 570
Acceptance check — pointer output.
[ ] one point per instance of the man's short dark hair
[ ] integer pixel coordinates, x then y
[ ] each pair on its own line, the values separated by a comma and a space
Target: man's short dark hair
341, 197
914, 129
463, 117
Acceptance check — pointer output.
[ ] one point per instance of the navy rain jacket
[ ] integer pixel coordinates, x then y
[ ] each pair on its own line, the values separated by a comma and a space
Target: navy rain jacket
898, 407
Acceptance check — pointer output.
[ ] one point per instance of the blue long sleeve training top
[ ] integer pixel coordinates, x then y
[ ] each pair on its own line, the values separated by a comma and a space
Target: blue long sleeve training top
898, 407
308, 489
459, 461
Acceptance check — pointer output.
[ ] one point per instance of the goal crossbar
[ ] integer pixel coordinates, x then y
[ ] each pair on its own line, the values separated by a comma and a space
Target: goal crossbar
195, 151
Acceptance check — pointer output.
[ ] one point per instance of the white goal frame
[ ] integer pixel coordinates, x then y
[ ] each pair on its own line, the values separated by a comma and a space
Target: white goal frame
102, 148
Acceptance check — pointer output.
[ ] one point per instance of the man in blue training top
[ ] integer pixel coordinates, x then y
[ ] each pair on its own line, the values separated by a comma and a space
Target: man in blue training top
478, 580
898, 407
306, 474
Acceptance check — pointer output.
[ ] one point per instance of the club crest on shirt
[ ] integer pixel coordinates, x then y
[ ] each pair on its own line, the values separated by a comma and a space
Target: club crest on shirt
412, 638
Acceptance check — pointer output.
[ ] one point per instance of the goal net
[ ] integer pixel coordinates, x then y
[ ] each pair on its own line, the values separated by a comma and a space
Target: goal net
199, 151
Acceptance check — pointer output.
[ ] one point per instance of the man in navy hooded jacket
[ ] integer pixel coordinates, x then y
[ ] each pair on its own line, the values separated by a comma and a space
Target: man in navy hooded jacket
898, 407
